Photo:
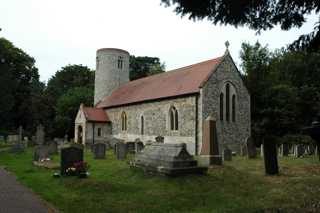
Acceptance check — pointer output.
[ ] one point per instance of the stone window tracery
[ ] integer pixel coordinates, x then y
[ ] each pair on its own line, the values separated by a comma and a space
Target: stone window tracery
228, 102
233, 107
120, 62
174, 118
221, 105
123, 121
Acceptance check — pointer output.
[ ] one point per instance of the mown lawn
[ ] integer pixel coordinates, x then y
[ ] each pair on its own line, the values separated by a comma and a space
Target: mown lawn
238, 186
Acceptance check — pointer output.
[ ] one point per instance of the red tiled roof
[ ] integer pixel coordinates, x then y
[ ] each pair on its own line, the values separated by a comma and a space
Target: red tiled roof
182, 81
95, 114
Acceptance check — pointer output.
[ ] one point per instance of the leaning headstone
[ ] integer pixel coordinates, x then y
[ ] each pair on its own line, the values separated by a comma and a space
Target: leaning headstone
210, 154
159, 139
168, 159
99, 150
40, 152
69, 155
227, 154
251, 148
40, 135
121, 151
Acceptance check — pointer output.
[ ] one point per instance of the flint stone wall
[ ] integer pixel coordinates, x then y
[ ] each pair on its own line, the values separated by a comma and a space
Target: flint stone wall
156, 121
230, 133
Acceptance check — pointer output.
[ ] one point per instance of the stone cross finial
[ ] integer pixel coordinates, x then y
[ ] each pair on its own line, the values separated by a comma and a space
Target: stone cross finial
227, 44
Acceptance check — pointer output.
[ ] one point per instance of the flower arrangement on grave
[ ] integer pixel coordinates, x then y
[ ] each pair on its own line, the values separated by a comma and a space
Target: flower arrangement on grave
78, 169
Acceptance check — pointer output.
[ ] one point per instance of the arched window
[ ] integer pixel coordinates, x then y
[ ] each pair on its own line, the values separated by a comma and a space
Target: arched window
120, 62
142, 125
221, 106
174, 118
227, 102
233, 108
123, 121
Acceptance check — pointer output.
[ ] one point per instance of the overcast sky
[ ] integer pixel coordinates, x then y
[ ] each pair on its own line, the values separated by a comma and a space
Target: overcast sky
61, 32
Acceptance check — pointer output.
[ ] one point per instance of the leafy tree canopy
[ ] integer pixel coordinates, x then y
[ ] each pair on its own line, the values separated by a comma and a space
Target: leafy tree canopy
257, 15
143, 66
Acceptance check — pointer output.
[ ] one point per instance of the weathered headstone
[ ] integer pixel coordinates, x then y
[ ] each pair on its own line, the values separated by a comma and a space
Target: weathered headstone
17, 148
131, 147
70, 155
169, 159
121, 150
40, 135
159, 139
243, 149
251, 147
40, 152
227, 154
13, 139
210, 154
53, 147
99, 150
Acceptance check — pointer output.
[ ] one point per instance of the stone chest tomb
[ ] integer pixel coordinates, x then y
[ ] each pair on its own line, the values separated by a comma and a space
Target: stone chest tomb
168, 159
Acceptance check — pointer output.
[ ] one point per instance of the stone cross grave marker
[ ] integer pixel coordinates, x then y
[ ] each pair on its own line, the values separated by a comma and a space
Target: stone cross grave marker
121, 151
99, 150
70, 155
40, 135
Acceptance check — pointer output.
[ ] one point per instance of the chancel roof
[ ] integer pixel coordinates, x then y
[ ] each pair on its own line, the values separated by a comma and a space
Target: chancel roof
183, 81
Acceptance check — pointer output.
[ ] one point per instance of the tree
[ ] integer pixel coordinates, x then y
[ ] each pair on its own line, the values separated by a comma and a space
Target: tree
67, 108
143, 66
257, 15
18, 81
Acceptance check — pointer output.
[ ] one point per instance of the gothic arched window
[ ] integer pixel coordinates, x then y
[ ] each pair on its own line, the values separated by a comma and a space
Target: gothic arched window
227, 101
123, 121
221, 106
142, 125
233, 108
174, 118
120, 62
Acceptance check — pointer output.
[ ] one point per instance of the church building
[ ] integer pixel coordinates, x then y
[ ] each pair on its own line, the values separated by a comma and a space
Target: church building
173, 104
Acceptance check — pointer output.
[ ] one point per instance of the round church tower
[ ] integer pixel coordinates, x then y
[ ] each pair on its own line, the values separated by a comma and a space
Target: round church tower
112, 70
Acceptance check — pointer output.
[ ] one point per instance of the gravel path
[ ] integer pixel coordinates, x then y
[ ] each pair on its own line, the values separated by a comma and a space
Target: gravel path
16, 198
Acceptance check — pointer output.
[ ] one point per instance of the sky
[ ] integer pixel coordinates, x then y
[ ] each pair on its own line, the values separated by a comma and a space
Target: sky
61, 32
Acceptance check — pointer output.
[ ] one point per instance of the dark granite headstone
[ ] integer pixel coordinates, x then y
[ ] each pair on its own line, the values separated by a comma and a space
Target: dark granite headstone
99, 150
70, 155
121, 151
227, 154
40, 152
169, 159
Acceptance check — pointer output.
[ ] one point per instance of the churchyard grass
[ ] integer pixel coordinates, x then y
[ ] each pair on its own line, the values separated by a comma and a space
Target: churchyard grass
238, 186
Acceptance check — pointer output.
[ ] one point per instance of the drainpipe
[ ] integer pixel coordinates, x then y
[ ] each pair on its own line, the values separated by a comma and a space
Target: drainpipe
196, 125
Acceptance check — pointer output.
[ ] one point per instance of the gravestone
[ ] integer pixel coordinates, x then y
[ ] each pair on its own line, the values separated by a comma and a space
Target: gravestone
251, 148
40, 152
40, 135
299, 150
53, 147
121, 150
99, 150
139, 146
168, 159
227, 154
159, 139
243, 149
17, 148
210, 154
12, 138
130, 147
70, 154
